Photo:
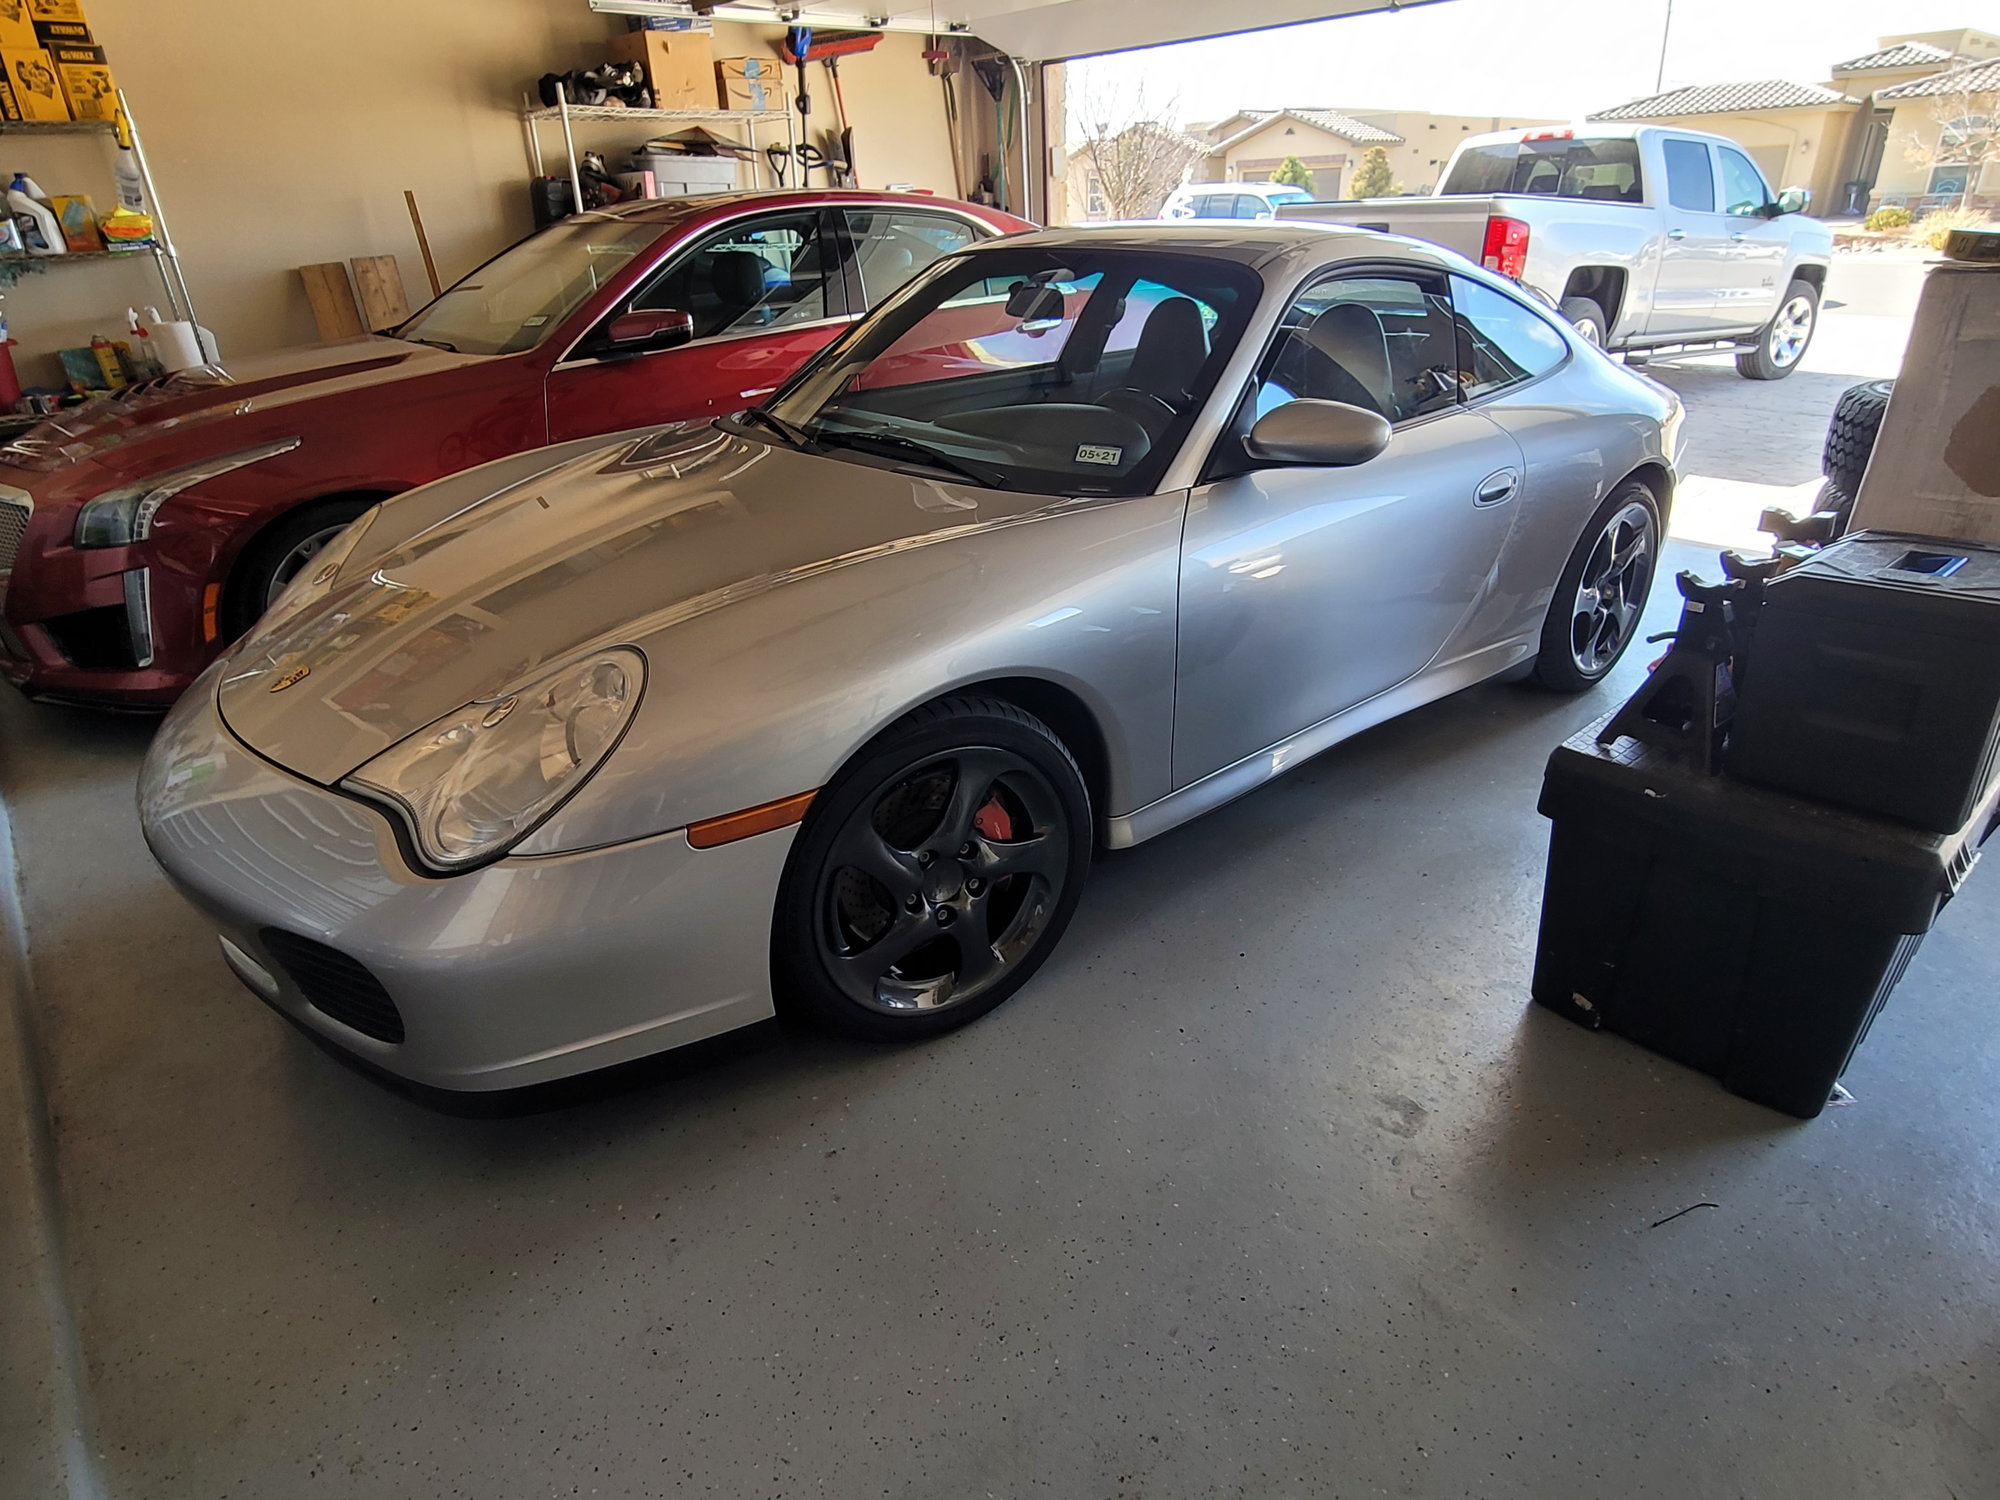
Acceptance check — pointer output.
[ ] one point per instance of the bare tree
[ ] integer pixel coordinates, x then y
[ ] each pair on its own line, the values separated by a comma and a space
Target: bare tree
1120, 137
1966, 107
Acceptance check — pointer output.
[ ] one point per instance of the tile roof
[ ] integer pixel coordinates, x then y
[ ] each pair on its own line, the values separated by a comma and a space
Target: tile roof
1975, 78
1332, 120
1902, 55
1727, 99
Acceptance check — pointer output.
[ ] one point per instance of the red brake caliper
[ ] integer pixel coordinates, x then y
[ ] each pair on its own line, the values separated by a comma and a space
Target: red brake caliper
993, 821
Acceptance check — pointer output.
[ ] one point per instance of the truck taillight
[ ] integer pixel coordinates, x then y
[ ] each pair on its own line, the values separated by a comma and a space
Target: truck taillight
1506, 247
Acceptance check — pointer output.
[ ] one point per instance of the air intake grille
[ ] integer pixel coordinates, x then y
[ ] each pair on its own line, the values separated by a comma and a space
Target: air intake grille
13, 522
336, 985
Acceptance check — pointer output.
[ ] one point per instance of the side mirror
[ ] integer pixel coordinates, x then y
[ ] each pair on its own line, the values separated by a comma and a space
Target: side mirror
637, 332
1319, 434
1793, 200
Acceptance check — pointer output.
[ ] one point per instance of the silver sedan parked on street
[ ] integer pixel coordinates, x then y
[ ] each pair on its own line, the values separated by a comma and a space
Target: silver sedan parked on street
611, 747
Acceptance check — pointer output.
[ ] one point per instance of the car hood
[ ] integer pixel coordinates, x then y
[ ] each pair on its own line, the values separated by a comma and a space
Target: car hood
614, 546
100, 429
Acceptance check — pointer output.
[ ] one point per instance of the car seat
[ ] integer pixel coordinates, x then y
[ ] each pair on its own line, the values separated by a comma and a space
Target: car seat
1166, 362
1355, 349
736, 279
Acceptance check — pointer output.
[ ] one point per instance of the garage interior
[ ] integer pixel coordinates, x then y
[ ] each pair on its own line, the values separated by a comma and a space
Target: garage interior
1273, 1182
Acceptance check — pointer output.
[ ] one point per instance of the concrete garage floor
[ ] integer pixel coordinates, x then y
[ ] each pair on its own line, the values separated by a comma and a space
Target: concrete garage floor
1271, 1184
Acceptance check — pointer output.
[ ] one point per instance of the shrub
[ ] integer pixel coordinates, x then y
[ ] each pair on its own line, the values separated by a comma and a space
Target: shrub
1934, 228
1887, 218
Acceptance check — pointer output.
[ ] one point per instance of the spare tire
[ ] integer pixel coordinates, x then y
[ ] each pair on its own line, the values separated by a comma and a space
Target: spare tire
1850, 437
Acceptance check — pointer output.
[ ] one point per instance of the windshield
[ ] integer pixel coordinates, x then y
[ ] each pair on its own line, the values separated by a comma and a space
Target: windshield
1606, 170
1050, 371
1289, 195
518, 298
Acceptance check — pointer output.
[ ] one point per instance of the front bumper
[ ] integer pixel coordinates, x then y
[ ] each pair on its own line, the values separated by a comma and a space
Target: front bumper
524, 971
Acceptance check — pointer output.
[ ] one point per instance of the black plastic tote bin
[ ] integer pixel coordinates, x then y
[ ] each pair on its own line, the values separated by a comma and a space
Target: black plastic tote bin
1875, 680
1748, 934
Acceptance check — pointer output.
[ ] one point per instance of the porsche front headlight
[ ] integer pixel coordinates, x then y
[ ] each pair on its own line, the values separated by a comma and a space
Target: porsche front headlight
477, 781
122, 516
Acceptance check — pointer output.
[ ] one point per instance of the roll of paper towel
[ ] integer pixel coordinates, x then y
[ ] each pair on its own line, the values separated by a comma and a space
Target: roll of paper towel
176, 342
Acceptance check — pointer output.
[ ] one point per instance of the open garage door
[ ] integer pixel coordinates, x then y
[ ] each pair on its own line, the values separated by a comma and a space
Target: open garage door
1054, 30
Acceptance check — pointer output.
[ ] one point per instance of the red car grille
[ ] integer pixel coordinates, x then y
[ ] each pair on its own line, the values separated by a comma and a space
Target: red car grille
13, 522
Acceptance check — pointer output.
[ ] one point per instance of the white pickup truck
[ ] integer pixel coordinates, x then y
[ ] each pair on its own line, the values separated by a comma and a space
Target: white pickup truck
1645, 236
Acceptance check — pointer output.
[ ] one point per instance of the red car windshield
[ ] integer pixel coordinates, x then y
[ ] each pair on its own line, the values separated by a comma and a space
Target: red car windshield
519, 297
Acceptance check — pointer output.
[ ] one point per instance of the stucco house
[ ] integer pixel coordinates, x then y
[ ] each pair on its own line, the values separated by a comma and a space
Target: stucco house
1250, 144
1875, 132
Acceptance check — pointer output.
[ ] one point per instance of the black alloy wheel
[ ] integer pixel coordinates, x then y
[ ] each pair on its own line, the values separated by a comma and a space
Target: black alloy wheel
934, 875
1602, 594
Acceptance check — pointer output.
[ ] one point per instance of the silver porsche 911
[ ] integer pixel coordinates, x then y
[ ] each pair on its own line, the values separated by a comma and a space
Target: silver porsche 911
610, 747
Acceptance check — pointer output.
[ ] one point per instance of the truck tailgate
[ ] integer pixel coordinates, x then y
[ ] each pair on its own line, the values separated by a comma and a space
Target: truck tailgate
1455, 223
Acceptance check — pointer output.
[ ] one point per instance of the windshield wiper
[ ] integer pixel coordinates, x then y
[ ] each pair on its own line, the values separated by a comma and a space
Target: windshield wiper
891, 444
796, 436
437, 344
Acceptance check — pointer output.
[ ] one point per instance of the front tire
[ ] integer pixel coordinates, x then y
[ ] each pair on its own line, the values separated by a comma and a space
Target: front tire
279, 555
1602, 592
1785, 339
933, 875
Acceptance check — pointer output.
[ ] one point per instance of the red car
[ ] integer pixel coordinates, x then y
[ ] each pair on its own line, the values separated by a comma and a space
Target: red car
140, 535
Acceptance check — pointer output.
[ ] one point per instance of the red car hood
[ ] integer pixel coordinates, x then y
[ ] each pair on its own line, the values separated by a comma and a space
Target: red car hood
99, 429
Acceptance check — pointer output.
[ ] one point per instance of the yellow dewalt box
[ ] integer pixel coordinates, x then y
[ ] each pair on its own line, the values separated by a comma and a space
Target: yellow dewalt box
17, 27
57, 10
86, 81
35, 93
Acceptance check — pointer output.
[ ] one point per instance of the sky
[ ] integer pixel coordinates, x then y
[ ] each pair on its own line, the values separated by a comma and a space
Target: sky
1559, 58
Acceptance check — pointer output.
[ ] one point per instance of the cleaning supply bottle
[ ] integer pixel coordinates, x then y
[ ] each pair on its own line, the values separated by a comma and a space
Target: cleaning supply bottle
125, 171
40, 233
145, 363
108, 363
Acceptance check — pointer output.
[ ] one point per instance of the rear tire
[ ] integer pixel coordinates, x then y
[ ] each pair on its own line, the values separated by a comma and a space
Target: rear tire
933, 875
282, 552
1587, 318
1783, 341
1850, 436
1602, 593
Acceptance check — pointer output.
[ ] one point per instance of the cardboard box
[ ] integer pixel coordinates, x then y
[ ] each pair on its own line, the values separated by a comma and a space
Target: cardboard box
680, 65
86, 81
1936, 466
756, 69
34, 92
745, 93
75, 33
17, 27
58, 10
78, 217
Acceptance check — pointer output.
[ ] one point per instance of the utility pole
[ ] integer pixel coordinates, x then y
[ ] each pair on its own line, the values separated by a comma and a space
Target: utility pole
1660, 78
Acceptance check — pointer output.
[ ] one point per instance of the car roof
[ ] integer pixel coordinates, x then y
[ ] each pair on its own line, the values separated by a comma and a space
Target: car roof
673, 210
1249, 242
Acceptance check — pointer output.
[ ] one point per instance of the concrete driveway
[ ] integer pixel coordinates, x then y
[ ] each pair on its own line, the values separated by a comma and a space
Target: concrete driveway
1755, 443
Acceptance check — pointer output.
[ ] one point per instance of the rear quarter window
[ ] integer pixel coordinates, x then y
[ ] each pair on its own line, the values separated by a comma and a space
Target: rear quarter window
1502, 341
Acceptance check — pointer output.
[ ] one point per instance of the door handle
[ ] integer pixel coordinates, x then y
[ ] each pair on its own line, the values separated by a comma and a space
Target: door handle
1496, 487
1677, 234
1739, 235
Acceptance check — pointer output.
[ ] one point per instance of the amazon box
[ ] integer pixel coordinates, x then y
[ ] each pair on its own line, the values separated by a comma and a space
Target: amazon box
749, 83
680, 65
33, 91
86, 81
1936, 467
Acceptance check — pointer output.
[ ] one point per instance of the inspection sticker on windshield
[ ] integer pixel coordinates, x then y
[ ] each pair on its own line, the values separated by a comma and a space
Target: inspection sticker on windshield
1098, 453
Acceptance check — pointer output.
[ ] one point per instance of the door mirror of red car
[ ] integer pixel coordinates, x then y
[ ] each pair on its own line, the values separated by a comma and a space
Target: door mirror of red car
653, 328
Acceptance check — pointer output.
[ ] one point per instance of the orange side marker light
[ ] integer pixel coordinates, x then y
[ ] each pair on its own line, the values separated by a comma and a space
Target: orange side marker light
730, 827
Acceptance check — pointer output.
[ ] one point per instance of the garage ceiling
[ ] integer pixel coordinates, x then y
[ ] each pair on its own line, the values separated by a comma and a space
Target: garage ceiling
1049, 30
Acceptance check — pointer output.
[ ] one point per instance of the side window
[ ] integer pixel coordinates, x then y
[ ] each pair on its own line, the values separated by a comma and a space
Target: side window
891, 245
1501, 341
1383, 343
1743, 190
1248, 205
760, 273
1212, 206
1690, 177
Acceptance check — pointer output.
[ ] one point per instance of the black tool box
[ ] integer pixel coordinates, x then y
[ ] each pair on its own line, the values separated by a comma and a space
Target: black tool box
1875, 682
1744, 932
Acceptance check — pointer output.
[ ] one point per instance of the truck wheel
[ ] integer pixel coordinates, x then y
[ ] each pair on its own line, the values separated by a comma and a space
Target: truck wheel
1587, 318
1784, 339
1850, 436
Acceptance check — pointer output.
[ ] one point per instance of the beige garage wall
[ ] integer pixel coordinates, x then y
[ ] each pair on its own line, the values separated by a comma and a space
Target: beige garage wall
285, 135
